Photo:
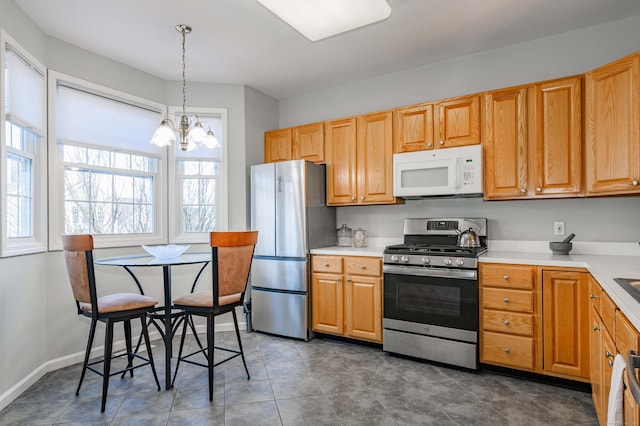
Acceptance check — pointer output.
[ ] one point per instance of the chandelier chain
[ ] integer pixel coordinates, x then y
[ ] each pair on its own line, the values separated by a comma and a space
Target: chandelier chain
184, 74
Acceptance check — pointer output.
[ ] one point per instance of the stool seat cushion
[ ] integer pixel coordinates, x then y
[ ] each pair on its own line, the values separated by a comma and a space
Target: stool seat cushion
204, 299
121, 302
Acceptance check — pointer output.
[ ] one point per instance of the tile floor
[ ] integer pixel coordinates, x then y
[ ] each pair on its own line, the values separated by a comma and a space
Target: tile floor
321, 382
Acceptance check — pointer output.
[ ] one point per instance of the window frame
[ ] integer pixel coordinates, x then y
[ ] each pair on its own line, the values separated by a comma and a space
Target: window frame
57, 166
176, 235
37, 243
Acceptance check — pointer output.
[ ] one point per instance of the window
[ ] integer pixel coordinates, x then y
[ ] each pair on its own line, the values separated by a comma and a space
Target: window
198, 185
22, 151
111, 182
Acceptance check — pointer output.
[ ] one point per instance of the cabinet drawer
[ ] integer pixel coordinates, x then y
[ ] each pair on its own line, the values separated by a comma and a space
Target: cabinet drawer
608, 312
508, 300
595, 294
504, 349
507, 276
332, 264
507, 322
363, 266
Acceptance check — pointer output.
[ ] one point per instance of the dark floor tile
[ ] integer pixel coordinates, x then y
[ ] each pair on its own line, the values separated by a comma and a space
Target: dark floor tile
286, 368
38, 413
87, 409
249, 391
473, 413
149, 402
257, 413
354, 405
573, 408
305, 409
199, 417
382, 420
141, 420
292, 387
194, 397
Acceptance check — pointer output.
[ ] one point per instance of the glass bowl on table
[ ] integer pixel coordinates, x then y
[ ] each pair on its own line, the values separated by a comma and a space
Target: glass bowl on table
166, 252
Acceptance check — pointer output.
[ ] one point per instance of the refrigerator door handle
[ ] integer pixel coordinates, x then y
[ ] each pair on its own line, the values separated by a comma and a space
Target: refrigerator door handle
279, 184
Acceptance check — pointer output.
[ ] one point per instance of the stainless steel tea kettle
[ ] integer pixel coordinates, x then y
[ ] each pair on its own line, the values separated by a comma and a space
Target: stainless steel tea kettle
468, 238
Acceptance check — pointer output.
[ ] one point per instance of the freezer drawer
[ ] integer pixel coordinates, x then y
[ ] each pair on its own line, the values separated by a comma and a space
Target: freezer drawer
288, 275
284, 314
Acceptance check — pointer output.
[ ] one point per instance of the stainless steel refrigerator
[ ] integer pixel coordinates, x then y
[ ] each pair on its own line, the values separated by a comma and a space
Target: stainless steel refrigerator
289, 211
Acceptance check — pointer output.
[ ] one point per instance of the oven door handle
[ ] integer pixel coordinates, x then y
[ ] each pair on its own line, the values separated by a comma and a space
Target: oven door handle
431, 272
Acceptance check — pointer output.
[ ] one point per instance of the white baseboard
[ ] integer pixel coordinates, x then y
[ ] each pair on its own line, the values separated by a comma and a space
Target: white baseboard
55, 364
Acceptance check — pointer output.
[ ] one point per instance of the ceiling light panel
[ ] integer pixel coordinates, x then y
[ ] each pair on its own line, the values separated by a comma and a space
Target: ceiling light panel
318, 19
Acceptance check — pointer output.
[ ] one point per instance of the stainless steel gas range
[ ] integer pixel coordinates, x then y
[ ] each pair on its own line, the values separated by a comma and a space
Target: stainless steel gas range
431, 290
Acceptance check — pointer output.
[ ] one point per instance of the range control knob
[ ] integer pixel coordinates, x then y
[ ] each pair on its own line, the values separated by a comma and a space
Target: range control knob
460, 262
426, 260
395, 258
448, 261
404, 259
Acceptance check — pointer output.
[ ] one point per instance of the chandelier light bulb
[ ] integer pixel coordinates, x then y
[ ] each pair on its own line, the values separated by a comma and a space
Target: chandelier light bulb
197, 133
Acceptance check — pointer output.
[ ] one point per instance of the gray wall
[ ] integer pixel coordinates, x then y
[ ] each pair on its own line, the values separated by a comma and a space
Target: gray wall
601, 219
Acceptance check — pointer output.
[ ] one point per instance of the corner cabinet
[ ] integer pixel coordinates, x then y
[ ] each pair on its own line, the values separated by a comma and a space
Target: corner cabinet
533, 140
360, 160
613, 128
346, 296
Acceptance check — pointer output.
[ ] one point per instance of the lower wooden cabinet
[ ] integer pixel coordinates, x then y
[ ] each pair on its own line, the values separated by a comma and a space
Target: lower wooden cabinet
346, 296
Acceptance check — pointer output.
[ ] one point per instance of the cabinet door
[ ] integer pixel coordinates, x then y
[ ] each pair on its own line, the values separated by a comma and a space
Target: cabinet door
458, 122
375, 159
612, 128
341, 161
327, 302
413, 128
277, 145
557, 146
596, 354
565, 323
608, 354
363, 308
505, 144
308, 142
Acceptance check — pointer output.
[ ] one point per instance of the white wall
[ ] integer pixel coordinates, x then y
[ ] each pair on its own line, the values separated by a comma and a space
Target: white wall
599, 219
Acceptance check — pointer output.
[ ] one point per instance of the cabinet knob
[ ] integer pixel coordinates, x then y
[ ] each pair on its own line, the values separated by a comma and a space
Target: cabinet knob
596, 328
339, 279
429, 144
363, 267
506, 300
362, 198
608, 354
593, 296
348, 280
506, 277
538, 189
353, 198
507, 350
610, 363
506, 323
523, 190
441, 142
634, 182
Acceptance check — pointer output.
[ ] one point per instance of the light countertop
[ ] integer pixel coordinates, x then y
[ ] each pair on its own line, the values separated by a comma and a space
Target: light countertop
375, 251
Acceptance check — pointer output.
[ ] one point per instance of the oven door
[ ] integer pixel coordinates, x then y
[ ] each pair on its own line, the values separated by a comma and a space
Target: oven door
432, 296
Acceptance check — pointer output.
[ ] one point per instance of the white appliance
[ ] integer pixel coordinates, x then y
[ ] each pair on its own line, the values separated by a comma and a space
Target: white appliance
288, 209
438, 172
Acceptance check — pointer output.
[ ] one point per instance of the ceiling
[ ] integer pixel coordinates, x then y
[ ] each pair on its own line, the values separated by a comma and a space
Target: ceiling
241, 42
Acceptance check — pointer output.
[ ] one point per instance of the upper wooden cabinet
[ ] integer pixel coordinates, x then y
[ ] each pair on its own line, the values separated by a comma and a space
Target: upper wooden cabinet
506, 143
277, 145
613, 128
457, 121
556, 160
413, 128
533, 140
308, 142
304, 142
360, 160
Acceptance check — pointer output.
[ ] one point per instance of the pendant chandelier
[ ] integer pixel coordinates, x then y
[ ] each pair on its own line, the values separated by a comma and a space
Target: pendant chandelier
190, 131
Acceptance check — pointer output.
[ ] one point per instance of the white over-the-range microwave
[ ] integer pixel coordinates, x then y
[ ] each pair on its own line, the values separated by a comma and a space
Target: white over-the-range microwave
438, 172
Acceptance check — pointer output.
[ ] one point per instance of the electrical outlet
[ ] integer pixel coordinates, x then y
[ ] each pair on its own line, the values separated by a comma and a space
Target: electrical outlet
558, 228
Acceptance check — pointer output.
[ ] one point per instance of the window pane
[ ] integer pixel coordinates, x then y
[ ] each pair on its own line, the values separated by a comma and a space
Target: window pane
189, 191
190, 168
207, 191
13, 216
144, 218
123, 219
102, 218
101, 187
98, 157
74, 154
143, 190
123, 188
76, 184
19, 196
122, 161
77, 217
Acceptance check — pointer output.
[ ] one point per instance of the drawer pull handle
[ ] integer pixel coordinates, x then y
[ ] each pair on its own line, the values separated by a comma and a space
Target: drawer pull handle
608, 354
348, 280
596, 328
339, 279
363, 267
507, 351
506, 300
593, 296
506, 323
326, 265
506, 277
